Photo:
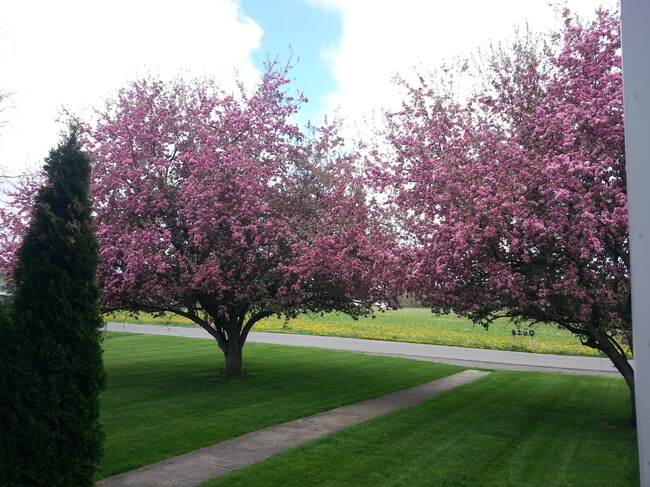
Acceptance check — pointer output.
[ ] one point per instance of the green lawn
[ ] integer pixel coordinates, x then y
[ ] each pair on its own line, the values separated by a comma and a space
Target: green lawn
163, 399
416, 325
508, 429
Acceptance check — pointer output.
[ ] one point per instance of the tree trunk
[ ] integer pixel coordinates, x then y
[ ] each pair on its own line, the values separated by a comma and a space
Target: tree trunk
233, 362
227, 333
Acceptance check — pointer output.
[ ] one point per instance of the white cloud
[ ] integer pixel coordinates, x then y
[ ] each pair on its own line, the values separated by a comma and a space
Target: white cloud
381, 38
76, 52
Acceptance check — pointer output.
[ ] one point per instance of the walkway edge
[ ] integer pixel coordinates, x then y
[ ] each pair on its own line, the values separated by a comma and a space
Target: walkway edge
193, 468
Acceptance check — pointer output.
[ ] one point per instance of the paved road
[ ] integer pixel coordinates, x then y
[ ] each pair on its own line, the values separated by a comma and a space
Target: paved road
467, 357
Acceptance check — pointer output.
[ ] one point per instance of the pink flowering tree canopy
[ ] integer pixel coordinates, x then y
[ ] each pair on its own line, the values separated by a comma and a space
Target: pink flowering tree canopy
214, 206
513, 198
16, 205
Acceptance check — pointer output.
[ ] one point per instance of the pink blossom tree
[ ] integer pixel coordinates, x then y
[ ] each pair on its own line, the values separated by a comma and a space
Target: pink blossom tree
214, 206
513, 198
16, 205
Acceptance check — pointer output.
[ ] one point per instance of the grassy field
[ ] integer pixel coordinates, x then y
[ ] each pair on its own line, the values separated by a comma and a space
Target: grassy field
416, 325
508, 429
163, 398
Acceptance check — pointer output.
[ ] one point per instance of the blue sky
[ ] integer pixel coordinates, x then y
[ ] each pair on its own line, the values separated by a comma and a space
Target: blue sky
304, 31
75, 53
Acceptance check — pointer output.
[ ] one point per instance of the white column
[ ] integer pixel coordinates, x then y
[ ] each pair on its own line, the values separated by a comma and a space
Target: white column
635, 29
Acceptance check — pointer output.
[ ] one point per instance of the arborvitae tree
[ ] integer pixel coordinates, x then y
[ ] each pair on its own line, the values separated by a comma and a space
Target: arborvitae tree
52, 433
8, 367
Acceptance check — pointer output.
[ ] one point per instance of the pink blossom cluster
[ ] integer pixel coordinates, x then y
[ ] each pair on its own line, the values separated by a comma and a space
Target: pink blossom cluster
212, 202
513, 200
15, 216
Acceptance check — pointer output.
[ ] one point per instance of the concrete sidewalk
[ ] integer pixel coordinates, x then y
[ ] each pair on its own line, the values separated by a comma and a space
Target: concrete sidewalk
466, 357
199, 466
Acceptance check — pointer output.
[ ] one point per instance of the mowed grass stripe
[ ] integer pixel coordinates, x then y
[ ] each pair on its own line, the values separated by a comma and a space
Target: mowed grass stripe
508, 429
163, 399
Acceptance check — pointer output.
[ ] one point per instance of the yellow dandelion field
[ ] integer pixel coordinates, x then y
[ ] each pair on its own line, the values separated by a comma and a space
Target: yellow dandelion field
416, 325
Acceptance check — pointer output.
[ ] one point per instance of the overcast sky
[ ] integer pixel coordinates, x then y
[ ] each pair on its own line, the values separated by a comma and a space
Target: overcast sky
74, 53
